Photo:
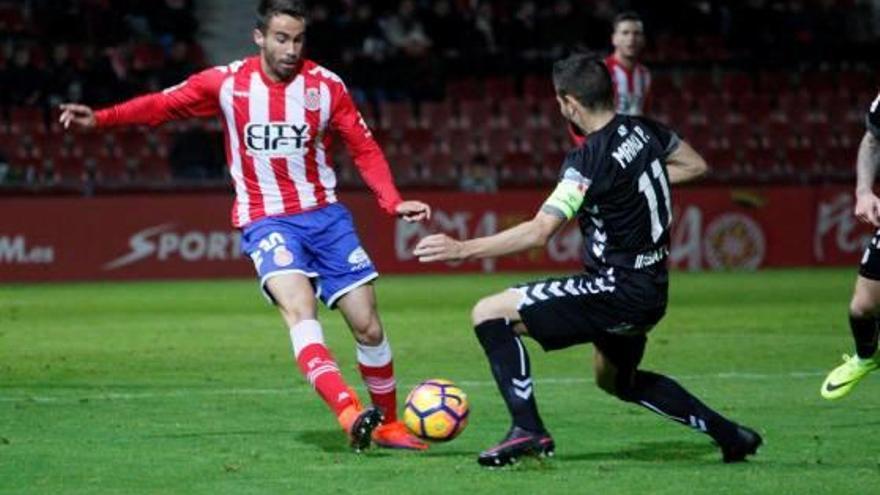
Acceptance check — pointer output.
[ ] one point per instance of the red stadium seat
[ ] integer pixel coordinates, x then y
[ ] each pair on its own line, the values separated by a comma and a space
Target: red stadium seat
802, 159
720, 160
737, 84
663, 86
26, 155
698, 136
418, 138
854, 82
27, 120
396, 115
435, 115
541, 140
475, 114
817, 82
518, 167
459, 138
499, 140
773, 82
464, 90
538, 88
697, 84
516, 112
499, 88
713, 107
779, 132
738, 133
441, 168
154, 171
755, 107
132, 141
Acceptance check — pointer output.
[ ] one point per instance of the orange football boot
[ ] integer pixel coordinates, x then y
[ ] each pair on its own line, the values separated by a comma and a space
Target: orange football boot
396, 436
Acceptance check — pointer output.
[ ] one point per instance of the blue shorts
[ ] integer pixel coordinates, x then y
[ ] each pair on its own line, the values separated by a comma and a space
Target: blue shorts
320, 244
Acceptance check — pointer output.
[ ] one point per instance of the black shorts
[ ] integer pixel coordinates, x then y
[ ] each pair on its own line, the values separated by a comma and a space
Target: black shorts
614, 310
870, 265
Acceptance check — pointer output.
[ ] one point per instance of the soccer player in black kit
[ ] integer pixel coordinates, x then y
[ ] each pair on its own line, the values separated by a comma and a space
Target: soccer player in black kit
864, 308
617, 184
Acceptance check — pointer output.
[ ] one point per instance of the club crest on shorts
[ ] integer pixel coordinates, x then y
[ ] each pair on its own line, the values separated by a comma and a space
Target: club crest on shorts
313, 99
282, 256
359, 259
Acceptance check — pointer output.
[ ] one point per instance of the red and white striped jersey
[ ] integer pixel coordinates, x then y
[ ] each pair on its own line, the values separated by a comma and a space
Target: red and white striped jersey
632, 86
277, 134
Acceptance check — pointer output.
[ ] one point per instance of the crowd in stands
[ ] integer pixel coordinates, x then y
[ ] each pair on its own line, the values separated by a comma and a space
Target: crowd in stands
457, 90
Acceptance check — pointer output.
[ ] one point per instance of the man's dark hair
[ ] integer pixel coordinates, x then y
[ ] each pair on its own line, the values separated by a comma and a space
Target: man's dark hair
270, 8
585, 77
627, 16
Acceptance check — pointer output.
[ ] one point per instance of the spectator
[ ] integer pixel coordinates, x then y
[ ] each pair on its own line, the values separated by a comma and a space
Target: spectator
64, 73
178, 67
174, 20
25, 82
479, 176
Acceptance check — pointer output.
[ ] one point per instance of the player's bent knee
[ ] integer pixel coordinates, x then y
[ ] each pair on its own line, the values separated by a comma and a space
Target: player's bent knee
369, 334
862, 306
486, 309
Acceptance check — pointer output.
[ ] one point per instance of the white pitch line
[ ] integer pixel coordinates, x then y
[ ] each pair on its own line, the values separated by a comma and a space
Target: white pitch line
467, 384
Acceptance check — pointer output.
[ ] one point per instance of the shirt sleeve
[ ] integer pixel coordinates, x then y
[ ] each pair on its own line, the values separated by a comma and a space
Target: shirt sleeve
198, 96
872, 120
669, 139
365, 152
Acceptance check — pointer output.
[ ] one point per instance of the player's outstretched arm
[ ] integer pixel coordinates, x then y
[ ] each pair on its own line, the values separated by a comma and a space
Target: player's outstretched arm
867, 204
195, 97
685, 164
527, 235
75, 115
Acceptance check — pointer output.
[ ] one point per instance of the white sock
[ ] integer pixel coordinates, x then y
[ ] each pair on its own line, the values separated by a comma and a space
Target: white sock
374, 356
304, 334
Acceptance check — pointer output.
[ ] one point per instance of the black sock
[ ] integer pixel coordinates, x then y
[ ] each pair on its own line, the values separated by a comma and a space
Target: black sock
667, 398
864, 331
509, 361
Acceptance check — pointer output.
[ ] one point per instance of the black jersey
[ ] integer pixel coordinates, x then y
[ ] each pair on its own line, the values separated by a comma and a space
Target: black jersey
626, 212
872, 120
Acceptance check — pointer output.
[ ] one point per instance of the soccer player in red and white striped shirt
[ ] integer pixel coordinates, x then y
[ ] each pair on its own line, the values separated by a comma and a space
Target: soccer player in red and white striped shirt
632, 80
281, 111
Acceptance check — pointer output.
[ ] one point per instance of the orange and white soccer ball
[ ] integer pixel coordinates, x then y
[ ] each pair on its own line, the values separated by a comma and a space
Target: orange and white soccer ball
436, 410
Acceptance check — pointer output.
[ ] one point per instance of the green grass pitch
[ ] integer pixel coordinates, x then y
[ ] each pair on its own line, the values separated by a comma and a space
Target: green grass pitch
190, 388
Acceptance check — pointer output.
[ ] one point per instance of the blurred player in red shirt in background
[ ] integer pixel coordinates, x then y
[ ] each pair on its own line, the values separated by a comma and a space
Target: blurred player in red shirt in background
632, 80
